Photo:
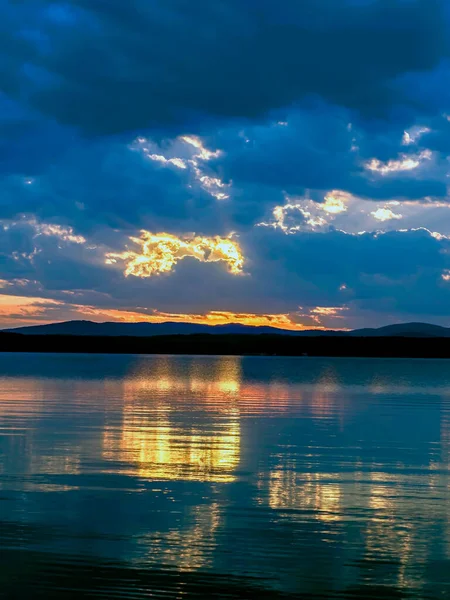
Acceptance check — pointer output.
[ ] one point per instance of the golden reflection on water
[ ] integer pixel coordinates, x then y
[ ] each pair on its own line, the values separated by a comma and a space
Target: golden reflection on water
164, 451
22, 396
190, 548
157, 445
218, 375
182, 420
394, 510
307, 491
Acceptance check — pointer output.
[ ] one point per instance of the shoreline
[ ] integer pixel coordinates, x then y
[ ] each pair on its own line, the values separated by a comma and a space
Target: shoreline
232, 345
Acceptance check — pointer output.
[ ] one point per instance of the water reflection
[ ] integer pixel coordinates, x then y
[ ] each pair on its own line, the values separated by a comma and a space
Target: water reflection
173, 439
310, 478
188, 549
155, 447
222, 374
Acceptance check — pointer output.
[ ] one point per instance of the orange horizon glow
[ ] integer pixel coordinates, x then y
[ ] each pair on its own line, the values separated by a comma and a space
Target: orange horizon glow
19, 311
280, 321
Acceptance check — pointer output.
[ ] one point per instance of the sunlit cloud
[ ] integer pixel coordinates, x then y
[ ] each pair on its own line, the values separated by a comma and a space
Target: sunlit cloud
279, 215
212, 184
281, 321
305, 214
177, 162
435, 234
27, 256
329, 311
385, 214
146, 146
203, 152
15, 282
17, 310
335, 202
405, 162
314, 222
351, 214
411, 136
292, 217
64, 233
159, 253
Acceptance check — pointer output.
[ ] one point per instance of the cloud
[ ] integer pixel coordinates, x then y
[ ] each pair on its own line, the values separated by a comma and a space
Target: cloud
20, 310
313, 130
385, 214
395, 271
107, 184
213, 185
345, 212
65, 234
113, 68
403, 163
160, 252
317, 151
414, 134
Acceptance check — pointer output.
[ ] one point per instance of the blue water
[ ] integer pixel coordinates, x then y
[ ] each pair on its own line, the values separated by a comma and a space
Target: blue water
210, 477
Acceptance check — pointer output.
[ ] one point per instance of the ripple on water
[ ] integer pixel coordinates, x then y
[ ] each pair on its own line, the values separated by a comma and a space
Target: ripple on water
130, 476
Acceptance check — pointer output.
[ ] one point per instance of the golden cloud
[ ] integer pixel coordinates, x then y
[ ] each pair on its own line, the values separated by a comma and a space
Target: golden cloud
335, 202
328, 311
280, 320
160, 252
23, 310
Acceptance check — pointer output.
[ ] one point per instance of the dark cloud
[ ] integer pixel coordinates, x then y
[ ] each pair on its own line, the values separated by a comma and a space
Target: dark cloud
321, 149
110, 67
106, 184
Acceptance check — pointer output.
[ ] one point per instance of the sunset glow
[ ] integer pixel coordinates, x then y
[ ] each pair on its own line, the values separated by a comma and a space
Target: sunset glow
16, 311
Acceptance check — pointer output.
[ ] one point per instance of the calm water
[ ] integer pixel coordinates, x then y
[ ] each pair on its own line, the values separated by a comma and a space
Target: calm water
207, 477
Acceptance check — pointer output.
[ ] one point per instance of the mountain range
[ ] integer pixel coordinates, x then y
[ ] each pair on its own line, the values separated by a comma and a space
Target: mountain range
90, 328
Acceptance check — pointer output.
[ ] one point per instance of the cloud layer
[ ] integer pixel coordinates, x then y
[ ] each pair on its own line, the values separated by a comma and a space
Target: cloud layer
289, 159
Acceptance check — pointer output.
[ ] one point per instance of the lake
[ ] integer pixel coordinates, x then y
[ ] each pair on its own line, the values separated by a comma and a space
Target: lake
223, 477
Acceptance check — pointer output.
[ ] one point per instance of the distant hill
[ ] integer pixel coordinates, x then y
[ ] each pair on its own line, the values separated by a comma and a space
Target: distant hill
89, 328
415, 330
145, 329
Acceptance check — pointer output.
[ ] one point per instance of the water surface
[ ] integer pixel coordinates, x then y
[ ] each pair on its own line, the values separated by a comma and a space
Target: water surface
209, 477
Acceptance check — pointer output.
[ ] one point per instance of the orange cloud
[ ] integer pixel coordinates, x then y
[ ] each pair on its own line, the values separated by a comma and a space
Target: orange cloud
20, 310
281, 321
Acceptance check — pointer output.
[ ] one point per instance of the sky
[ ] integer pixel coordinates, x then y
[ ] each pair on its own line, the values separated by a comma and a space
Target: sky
263, 162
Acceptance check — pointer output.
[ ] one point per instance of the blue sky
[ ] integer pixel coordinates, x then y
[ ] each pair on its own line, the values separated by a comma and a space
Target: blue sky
280, 163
